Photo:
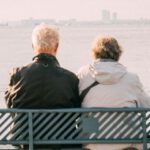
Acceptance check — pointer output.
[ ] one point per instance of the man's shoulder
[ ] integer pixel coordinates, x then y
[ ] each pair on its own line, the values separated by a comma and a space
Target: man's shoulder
68, 73
19, 69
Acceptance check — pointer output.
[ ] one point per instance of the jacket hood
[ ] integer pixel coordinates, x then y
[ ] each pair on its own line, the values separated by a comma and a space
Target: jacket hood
107, 72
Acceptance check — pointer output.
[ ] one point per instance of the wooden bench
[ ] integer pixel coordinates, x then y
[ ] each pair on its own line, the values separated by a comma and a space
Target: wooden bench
75, 126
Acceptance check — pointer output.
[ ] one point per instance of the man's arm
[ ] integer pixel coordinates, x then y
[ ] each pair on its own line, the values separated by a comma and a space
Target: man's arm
75, 85
78, 105
10, 90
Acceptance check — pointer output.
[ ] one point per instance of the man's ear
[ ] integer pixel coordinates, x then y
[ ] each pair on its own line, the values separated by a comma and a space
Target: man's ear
56, 47
32, 46
34, 49
55, 50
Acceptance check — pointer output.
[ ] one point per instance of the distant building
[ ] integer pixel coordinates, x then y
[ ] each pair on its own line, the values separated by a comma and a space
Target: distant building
114, 16
106, 16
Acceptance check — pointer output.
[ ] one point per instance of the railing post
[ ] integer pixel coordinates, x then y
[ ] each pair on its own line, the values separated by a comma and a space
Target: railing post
144, 130
30, 131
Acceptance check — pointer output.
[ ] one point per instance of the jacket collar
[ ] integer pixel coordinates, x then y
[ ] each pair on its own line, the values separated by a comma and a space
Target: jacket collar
104, 60
46, 58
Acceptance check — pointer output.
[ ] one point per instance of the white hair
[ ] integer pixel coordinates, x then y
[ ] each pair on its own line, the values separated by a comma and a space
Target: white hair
45, 37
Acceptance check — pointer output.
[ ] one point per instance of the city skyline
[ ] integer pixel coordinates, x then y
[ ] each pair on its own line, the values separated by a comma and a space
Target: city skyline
77, 9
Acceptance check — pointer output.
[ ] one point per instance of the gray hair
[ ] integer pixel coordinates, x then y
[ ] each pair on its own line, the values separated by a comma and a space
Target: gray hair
45, 37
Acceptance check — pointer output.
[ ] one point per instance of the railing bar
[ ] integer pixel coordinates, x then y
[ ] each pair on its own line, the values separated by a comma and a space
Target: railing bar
49, 125
144, 131
12, 120
74, 124
148, 117
129, 116
6, 119
43, 123
40, 117
78, 110
57, 126
148, 133
134, 129
25, 133
107, 125
18, 133
115, 124
148, 124
30, 131
130, 125
105, 121
14, 142
70, 128
66, 124
105, 118
2, 114
87, 142
108, 114
126, 122
140, 131
79, 141
75, 132
147, 114
20, 127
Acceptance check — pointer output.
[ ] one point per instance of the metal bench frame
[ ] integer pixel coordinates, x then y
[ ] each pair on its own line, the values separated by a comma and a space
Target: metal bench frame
75, 126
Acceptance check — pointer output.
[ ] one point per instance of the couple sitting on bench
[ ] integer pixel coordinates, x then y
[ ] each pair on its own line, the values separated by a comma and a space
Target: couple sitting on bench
44, 84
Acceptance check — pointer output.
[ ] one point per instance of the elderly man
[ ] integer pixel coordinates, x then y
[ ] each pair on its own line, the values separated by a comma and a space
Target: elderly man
43, 83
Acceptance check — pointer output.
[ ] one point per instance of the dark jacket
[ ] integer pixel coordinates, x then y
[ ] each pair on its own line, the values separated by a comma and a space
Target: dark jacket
42, 84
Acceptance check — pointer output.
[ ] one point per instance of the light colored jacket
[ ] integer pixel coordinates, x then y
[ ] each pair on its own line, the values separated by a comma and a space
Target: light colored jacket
117, 88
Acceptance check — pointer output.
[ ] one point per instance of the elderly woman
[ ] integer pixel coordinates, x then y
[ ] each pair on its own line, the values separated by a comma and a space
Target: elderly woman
109, 84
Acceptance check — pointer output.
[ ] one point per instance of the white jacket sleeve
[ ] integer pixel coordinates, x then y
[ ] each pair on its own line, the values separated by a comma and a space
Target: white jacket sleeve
143, 97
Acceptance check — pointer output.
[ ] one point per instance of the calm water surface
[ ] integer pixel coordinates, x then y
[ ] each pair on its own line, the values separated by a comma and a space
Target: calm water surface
74, 49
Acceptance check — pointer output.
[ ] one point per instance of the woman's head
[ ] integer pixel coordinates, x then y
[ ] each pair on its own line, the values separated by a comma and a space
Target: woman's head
106, 48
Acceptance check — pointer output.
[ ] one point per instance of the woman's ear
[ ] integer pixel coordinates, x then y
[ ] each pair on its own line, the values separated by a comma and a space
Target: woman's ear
93, 55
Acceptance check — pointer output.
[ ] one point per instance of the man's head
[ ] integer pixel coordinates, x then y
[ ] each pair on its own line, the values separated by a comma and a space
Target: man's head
106, 48
45, 39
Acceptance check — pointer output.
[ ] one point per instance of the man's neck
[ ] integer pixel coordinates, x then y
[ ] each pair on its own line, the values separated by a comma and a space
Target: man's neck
46, 53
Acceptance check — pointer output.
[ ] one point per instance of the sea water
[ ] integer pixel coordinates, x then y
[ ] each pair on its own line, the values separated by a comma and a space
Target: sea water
75, 49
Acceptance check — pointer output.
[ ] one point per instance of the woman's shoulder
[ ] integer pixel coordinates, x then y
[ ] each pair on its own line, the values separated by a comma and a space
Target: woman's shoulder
133, 79
132, 76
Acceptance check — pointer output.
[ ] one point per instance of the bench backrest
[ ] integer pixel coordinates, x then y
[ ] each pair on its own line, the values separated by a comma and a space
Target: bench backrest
75, 126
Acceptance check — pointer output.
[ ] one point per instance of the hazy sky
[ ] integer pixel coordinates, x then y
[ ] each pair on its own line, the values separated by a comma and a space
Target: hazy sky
66, 9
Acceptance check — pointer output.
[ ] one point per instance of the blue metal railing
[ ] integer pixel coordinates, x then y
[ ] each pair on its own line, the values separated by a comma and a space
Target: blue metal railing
74, 126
